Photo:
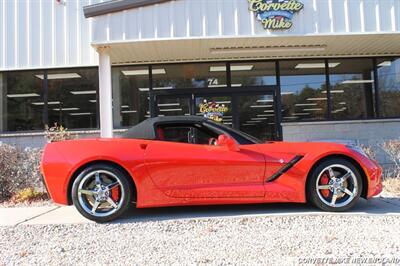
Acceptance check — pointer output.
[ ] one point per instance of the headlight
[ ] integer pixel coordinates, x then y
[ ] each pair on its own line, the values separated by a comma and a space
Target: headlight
358, 149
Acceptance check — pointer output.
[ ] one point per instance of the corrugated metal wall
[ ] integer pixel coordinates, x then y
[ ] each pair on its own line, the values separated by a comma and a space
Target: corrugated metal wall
223, 18
44, 34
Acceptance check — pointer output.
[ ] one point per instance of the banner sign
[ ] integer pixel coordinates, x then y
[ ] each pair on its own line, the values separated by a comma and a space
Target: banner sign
213, 110
275, 14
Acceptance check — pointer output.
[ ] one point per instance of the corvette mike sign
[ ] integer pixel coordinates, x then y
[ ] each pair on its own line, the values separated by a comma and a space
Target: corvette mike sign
275, 14
213, 110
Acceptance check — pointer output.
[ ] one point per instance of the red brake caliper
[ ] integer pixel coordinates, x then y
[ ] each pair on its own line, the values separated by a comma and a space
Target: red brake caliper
115, 193
324, 181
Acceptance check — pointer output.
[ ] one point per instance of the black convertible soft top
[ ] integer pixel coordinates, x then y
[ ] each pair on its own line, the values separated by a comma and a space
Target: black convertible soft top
146, 129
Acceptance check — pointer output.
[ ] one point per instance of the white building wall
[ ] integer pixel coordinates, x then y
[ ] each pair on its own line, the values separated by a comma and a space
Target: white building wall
229, 18
45, 34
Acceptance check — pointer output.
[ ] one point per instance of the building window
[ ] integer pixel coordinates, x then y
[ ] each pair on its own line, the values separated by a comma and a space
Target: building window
303, 90
253, 74
21, 101
352, 88
130, 95
389, 86
72, 97
189, 76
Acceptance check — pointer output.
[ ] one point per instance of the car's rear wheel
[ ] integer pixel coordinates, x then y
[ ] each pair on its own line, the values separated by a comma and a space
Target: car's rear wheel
101, 192
334, 185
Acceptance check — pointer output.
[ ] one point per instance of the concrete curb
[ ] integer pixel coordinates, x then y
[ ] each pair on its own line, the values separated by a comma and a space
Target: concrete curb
69, 215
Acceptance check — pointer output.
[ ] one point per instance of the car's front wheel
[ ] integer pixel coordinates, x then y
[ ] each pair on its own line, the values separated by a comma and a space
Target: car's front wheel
101, 192
334, 185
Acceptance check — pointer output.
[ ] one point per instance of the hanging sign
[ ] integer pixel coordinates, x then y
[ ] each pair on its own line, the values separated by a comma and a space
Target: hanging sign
213, 110
275, 14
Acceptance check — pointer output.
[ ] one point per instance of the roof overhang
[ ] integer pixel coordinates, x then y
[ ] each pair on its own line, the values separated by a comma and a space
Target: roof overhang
244, 48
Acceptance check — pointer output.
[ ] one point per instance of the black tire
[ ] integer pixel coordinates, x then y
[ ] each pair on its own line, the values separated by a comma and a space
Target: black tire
123, 202
316, 198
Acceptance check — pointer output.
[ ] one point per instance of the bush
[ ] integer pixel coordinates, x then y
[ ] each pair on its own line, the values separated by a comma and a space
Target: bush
392, 149
56, 133
28, 195
19, 170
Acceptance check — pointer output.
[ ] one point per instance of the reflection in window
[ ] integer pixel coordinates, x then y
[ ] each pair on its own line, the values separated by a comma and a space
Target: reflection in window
72, 97
253, 74
172, 106
130, 95
303, 90
21, 101
257, 116
189, 76
389, 86
352, 86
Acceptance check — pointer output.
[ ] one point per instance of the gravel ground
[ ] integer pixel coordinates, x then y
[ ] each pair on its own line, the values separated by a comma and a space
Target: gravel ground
220, 241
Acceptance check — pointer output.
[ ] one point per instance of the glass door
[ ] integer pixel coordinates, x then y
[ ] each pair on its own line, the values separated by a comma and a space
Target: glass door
217, 108
247, 109
256, 116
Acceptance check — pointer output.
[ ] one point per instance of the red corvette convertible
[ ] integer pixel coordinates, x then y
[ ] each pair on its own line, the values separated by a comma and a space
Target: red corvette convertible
171, 161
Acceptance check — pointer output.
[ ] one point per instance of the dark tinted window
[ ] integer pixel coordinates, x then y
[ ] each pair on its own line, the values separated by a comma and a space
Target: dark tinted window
389, 86
185, 134
352, 88
21, 101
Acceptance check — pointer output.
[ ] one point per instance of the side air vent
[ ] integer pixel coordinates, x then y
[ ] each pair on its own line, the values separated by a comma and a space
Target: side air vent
285, 168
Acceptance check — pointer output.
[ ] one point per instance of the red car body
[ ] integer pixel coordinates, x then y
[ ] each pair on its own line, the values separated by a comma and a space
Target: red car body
169, 173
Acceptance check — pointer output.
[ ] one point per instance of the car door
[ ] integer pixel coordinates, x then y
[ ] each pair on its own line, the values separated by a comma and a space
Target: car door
188, 170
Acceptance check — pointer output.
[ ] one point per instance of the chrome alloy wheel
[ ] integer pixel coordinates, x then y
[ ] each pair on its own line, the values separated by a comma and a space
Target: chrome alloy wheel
336, 185
100, 193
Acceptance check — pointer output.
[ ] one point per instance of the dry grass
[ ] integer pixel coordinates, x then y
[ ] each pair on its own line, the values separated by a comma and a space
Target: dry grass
28, 195
392, 186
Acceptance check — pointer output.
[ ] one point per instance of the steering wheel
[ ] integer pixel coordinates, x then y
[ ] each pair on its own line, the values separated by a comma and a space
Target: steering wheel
212, 141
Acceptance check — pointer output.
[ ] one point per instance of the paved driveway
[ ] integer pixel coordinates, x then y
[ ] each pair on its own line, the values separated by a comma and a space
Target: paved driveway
68, 215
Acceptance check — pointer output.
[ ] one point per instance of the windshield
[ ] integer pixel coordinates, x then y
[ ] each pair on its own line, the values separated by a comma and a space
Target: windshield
239, 136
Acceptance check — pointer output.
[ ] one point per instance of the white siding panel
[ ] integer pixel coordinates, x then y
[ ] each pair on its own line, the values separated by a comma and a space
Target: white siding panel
2, 35
34, 36
10, 33
86, 51
354, 15
195, 18
47, 34
59, 38
147, 23
132, 25
244, 17
44, 34
211, 18
22, 34
116, 23
369, 16
226, 18
396, 15
324, 25
306, 17
179, 19
228, 22
72, 33
163, 19
339, 15
385, 9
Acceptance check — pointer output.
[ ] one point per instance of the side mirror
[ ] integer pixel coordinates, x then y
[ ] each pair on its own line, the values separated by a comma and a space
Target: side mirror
229, 142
